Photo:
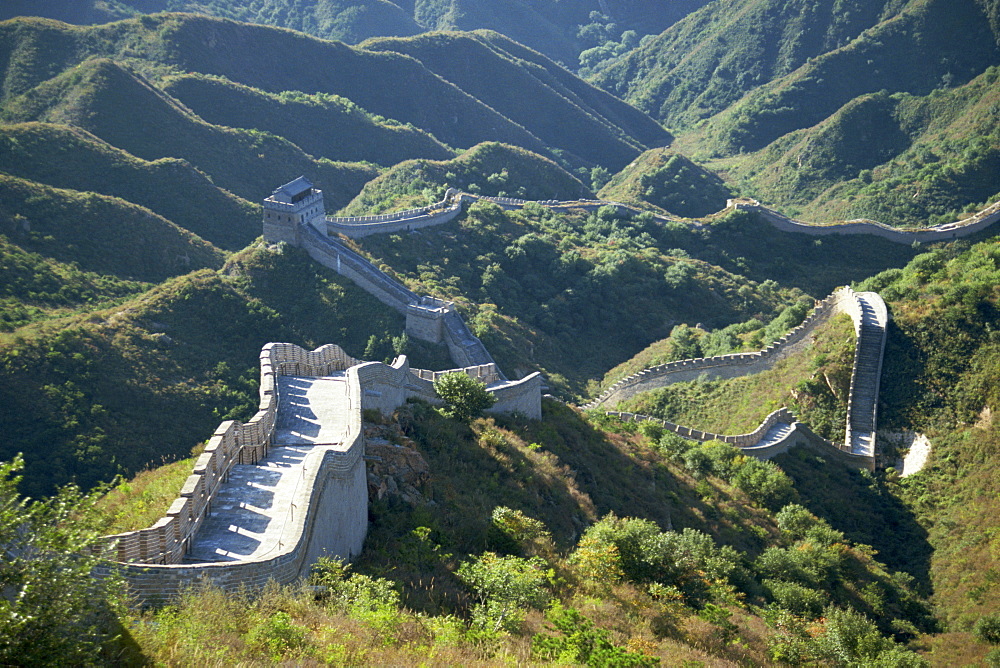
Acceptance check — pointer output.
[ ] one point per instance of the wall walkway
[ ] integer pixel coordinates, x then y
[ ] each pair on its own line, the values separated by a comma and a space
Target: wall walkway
361, 226
955, 230
268, 497
780, 428
427, 318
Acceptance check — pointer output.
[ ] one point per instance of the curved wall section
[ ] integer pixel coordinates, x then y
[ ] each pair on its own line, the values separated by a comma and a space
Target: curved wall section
723, 366
356, 227
327, 505
960, 228
781, 429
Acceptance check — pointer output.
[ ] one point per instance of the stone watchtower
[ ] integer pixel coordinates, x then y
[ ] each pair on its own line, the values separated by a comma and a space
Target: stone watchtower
288, 206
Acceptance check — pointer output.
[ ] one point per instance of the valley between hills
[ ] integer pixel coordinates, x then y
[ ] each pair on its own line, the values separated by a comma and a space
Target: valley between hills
138, 139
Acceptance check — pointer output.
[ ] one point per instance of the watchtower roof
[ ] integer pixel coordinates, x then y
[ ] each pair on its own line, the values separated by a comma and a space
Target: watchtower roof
293, 191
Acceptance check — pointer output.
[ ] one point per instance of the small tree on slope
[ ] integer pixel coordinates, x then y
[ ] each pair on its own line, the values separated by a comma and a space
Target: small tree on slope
50, 605
464, 397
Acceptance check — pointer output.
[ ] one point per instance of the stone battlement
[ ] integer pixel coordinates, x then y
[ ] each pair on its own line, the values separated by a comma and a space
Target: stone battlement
870, 316
156, 561
356, 227
954, 230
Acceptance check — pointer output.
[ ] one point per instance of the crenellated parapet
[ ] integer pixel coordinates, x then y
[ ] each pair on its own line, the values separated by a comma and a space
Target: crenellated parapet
782, 415
945, 232
326, 510
169, 539
281, 215
721, 366
870, 316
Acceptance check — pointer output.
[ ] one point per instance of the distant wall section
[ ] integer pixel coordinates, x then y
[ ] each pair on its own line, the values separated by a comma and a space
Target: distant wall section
870, 317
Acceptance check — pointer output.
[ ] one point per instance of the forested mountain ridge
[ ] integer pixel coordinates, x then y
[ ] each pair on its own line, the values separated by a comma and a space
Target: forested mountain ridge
386, 83
830, 110
561, 30
134, 301
801, 60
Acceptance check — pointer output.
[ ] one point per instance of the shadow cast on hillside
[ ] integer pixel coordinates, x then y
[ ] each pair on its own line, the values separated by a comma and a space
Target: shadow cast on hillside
634, 481
859, 505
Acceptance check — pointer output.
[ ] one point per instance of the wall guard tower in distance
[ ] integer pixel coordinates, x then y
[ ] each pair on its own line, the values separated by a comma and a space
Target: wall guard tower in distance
293, 203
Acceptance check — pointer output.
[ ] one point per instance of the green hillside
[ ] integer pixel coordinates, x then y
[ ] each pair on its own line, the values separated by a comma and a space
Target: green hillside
710, 59
669, 182
608, 541
890, 56
830, 111
560, 30
245, 162
265, 58
385, 83
143, 382
799, 61
940, 378
70, 157
135, 296
543, 289
488, 168
33, 287
532, 91
912, 160
324, 126
813, 383
99, 233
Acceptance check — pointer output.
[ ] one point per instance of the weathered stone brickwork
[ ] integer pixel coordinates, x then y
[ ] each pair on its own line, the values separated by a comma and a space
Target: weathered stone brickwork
330, 506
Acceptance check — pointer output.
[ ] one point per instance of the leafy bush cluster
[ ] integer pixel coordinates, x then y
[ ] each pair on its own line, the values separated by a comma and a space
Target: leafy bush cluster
464, 397
760, 480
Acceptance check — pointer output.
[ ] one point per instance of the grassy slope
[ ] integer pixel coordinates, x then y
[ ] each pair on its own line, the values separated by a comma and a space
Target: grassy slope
322, 125
548, 26
667, 181
390, 85
33, 287
749, 245
245, 162
270, 59
550, 287
818, 376
711, 58
902, 158
99, 233
564, 472
526, 87
488, 168
70, 157
862, 111
891, 57
941, 378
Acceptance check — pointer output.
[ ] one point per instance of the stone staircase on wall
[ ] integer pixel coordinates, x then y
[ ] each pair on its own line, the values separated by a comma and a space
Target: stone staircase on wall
268, 497
862, 405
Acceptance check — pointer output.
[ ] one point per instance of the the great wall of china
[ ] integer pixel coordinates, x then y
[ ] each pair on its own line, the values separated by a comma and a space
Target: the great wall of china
153, 559
356, 227
870, 317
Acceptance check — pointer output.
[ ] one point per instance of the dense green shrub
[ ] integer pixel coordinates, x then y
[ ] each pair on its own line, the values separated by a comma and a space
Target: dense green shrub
580, 642
464, 397
987, 629
51, 606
